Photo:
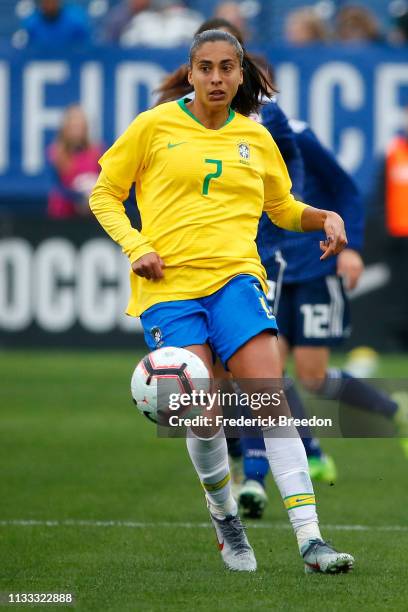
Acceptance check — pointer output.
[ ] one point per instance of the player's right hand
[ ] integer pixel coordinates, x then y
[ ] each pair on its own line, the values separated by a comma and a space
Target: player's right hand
149, 266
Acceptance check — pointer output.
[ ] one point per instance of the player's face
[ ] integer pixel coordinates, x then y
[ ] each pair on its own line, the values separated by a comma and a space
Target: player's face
215, 74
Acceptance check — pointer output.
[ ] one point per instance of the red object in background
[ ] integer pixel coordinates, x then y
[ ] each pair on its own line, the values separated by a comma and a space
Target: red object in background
396, 187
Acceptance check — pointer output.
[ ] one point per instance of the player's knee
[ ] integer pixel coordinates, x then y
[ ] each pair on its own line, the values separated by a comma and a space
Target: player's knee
310, 374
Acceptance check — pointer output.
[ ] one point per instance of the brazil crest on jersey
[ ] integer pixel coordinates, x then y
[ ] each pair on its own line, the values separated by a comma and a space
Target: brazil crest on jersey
200, 193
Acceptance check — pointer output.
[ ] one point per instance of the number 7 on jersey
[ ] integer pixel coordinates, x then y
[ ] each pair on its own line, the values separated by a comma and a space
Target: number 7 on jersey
212, 175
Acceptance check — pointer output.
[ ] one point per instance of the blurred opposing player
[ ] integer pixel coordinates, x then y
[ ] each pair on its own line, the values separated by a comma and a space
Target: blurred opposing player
312, 310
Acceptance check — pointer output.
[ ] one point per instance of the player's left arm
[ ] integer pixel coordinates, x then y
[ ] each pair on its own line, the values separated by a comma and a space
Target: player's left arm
288, 213
299, 217
315, 219
345, 200
277, 124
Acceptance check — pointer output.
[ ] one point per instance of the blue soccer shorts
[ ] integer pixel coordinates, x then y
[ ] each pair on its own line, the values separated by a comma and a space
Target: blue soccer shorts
311, 313
226, 319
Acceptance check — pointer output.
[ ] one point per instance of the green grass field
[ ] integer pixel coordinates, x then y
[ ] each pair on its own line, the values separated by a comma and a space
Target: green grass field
75, 452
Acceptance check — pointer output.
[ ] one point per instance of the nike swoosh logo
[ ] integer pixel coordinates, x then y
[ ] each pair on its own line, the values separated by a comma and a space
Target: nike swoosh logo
303, 499
171, 145
375, 276
315, 566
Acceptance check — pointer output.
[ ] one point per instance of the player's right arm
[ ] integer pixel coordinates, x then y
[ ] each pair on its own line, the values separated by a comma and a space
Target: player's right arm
121, 166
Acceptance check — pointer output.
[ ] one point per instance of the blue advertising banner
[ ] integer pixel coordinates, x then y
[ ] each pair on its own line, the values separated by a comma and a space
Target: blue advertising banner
353, 97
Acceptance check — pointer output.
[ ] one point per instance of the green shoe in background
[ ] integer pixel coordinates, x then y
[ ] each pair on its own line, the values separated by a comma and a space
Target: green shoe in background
322, 468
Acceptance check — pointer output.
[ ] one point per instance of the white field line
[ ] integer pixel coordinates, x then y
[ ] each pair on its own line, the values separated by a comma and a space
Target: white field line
180, 525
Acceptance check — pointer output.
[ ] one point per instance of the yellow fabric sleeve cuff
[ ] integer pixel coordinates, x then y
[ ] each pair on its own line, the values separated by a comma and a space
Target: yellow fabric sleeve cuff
140, 251
106, 204
286, 213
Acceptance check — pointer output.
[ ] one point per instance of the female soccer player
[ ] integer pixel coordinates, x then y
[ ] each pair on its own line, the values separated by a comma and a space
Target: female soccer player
204, 173
313, 311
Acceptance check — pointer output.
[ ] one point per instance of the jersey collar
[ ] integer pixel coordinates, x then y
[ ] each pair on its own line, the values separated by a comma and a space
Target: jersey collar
182, 104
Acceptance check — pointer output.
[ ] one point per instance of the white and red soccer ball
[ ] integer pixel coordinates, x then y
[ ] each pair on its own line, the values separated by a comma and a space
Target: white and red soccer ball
166, 371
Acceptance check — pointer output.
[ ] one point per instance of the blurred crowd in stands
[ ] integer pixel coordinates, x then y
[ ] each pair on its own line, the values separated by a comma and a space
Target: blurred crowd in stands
73, 165
72, 158
72, 153
169, 23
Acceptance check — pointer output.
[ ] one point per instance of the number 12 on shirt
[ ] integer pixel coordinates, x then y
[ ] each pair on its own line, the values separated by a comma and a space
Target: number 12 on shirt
212, 175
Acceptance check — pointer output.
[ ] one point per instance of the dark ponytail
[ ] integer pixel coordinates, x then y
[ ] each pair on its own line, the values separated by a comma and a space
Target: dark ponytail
256, 86
175, 86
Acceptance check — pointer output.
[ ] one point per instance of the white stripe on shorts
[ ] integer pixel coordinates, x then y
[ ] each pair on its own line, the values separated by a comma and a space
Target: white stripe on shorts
336, 306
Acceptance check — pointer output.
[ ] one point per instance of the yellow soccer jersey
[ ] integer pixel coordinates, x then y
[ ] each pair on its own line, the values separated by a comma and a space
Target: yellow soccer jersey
200, 193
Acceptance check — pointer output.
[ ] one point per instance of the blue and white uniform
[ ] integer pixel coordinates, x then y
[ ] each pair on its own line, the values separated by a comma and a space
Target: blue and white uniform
312, 309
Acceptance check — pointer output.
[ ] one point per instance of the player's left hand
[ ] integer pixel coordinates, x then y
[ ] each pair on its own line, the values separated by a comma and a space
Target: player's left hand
336, 239
350, 266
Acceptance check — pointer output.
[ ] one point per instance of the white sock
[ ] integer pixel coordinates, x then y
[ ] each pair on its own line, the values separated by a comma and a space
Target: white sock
288, 462
307, 532
210, 459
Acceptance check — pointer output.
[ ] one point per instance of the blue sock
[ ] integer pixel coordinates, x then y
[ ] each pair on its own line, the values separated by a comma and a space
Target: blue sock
256, 464
234, 447
311, 444
357, 393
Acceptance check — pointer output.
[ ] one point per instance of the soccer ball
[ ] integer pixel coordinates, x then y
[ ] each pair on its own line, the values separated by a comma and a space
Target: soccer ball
166, 371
